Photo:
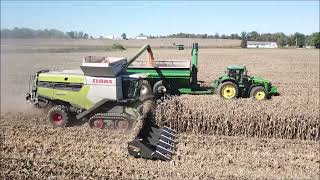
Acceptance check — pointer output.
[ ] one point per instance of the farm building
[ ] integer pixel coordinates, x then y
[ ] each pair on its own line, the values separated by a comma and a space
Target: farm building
260, 44
142, 37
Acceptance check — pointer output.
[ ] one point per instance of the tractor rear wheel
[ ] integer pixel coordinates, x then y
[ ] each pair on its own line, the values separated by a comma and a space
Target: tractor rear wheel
228, 90
258, 93
58, 116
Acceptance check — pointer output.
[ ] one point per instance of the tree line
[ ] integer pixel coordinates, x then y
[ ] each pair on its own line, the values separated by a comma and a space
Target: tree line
27, 33
296, 39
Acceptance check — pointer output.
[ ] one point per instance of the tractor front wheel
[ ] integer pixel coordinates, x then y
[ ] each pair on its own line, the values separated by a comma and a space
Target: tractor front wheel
58, 116
228, 90
258, 93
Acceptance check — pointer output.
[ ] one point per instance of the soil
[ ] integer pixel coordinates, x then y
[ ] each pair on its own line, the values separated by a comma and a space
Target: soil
32, 149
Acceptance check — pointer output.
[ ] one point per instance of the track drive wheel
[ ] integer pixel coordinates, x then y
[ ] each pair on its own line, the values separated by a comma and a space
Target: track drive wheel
258, 93
58, 116
122, 125
228, 90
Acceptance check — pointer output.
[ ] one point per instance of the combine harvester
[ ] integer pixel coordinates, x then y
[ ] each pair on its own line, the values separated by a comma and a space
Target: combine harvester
118, 94
109, 97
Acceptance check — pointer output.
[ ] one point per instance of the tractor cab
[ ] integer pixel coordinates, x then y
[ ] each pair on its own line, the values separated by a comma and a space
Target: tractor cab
239, 73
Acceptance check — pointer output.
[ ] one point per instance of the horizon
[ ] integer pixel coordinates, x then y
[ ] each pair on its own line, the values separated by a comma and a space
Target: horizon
162, 17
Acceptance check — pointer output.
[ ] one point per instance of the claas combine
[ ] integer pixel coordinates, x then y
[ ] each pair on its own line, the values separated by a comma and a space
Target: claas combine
109, 98
119, 94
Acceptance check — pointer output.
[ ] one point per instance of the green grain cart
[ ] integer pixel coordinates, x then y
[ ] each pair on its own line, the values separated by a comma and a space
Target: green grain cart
180, 77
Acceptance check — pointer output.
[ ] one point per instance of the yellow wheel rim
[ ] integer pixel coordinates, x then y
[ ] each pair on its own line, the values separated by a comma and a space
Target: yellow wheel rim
260, 95
228, 91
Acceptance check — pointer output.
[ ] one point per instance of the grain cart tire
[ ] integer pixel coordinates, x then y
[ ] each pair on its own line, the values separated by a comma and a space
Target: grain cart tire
145, 91
58, 116
159, 89
258, 93
228, 90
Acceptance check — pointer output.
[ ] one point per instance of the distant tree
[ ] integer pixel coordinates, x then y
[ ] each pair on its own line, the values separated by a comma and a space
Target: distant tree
80, 35
71, 34
237, 36
244, 40
216, 35
281, 42
91, 37
299, 39
223, 36
124, 36
253, 36
315, 39
204, 36
100, 37
85, 36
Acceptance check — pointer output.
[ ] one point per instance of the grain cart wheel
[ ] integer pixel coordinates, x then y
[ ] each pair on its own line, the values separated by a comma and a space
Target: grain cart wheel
159, 89
258, 93
58, 116
145, 91
228, 90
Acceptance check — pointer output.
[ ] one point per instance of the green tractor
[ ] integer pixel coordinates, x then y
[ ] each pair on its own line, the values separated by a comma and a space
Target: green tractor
236, 83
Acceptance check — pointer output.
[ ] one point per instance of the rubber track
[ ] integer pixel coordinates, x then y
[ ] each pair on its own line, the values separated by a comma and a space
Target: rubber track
112, 116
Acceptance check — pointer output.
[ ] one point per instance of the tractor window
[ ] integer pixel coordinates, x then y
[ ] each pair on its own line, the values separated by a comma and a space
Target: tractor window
233, 72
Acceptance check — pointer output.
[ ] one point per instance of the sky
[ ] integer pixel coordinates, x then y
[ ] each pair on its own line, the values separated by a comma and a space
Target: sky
107, 18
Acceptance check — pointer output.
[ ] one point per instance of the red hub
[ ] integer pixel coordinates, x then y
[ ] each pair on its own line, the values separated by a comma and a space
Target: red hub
57, 119
98, 123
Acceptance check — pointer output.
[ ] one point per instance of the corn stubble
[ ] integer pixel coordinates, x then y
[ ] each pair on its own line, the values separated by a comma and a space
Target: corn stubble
31, 149
282, 117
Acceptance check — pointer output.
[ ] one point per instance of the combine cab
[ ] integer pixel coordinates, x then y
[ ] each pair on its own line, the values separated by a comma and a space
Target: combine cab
108, 97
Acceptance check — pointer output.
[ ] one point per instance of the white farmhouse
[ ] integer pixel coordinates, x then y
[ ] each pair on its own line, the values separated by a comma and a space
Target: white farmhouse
260, 44
142, 37
109, 36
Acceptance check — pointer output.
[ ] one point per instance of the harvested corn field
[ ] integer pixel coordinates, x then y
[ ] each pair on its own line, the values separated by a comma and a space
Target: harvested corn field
238, 139
32, 149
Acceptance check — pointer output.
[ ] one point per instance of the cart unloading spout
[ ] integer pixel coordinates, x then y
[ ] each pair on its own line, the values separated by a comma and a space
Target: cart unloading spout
194, 54
150, 61
194, 65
